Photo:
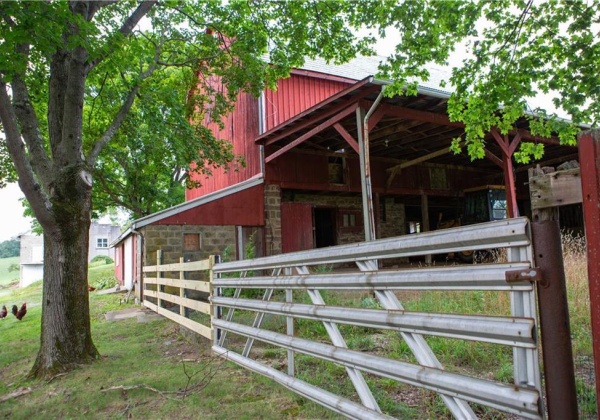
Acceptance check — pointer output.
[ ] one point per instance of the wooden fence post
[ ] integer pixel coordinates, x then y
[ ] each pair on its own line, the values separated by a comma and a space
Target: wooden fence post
159, 274
589, 162
557, 352
182, 309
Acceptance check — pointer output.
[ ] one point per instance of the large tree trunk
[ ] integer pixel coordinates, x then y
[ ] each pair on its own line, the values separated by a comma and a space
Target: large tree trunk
66, 339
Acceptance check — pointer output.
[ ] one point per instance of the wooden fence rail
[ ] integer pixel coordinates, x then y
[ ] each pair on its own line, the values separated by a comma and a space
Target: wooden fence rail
155, 287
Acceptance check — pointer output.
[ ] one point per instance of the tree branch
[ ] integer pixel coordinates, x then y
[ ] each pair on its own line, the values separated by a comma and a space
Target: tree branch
30, 130
36, 195
126, 29
121, 115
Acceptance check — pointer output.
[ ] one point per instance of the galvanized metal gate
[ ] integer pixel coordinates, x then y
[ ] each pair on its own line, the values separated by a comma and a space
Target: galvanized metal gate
279, 280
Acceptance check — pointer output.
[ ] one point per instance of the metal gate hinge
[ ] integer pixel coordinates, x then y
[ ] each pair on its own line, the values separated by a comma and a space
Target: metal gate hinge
528, 274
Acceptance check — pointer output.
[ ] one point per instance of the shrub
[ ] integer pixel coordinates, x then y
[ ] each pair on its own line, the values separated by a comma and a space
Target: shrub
104, 259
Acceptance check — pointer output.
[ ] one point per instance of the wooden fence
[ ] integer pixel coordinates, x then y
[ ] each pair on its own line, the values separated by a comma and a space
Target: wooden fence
168, 286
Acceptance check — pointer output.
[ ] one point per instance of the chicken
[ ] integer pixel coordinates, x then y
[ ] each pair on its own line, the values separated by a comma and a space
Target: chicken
21, 312
14, 310
3, 312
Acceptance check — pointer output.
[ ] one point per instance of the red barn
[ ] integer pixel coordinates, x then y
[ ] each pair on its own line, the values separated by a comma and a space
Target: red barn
327, 151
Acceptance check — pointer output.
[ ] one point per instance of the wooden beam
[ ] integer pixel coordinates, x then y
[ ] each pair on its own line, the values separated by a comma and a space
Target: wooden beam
375, 118
281, 132
509, 185
502, 141
343, 114
493, 158
514, 143
395, 169
349, 139
555, 189
417, 115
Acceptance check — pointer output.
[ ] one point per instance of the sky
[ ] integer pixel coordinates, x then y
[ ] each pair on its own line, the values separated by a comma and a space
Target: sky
12, 222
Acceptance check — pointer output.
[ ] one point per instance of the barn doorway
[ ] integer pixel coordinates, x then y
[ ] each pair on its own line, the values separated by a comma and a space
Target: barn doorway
325, 227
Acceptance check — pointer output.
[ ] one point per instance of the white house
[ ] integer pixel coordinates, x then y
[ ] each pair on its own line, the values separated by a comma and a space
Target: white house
32, 250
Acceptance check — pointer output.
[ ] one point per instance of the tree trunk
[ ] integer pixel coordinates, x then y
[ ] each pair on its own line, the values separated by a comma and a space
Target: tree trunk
66, 339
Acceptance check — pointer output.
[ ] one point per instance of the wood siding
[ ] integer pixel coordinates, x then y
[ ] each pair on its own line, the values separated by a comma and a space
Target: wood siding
240, 129
304, 171
297, 94
245, 208
296, 227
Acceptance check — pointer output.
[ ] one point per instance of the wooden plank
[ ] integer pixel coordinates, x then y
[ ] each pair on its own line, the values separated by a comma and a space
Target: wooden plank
347, 136
326, 124
203, 330
555, 189
150, 293
196, 305
188, 266
201, 286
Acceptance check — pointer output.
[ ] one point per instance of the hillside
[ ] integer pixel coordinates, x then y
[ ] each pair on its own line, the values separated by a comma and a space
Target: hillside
6, 277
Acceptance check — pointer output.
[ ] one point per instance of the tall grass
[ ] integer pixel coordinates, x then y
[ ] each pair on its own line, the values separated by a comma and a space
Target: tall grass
578, 294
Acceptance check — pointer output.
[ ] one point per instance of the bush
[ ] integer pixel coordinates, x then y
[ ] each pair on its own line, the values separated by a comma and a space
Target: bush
104, 259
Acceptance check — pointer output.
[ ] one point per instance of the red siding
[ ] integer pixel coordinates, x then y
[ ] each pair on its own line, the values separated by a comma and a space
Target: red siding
245, 208
297, 94
296, 227
240, 129
119, 257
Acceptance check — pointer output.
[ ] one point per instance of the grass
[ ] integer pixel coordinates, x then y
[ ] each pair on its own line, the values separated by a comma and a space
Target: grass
153, 354
7, 277
156, 354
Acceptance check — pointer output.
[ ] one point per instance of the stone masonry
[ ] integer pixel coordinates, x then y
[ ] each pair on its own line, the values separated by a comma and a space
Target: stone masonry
273, 219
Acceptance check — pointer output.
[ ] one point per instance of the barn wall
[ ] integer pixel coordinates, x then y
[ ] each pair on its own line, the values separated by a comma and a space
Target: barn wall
245, 208
213, 240
296, 170
296, 94
240, 129
393, 224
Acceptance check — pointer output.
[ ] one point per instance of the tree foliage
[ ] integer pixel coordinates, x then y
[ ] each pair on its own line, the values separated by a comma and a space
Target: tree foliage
516, 50
10, 248
89, 97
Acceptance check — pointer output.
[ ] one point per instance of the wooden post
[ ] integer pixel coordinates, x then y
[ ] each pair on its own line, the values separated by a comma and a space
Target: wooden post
589, 161
182, 309
559, 371
215, 311
159, 274
425, 220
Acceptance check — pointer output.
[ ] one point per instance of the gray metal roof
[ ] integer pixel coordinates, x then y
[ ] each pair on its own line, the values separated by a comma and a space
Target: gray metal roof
188, 205
362, 67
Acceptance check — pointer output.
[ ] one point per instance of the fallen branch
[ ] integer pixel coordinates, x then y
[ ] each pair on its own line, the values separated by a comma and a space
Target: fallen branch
140, 386
16, 393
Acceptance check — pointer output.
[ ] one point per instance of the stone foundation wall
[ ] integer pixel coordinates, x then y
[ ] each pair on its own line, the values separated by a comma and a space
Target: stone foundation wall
273, 219
392, 225
169, 238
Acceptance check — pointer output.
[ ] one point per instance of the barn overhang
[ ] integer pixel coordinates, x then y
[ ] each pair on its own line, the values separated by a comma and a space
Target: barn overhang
238, 205
401, 131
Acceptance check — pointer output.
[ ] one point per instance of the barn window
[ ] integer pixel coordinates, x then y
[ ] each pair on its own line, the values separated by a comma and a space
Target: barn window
101, 242
350, 220
437, 179
337, 169
191, 242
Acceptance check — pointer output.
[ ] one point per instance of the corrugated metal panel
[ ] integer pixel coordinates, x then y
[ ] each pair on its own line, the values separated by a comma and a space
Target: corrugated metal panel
240, 128
296, 227
297, 94
244, 208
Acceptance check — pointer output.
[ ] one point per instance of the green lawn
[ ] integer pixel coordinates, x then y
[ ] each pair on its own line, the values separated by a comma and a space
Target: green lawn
6, 277
146, 370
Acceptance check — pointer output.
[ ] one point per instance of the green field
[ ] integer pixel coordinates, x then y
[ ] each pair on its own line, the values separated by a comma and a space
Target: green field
6, 277
146, 370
